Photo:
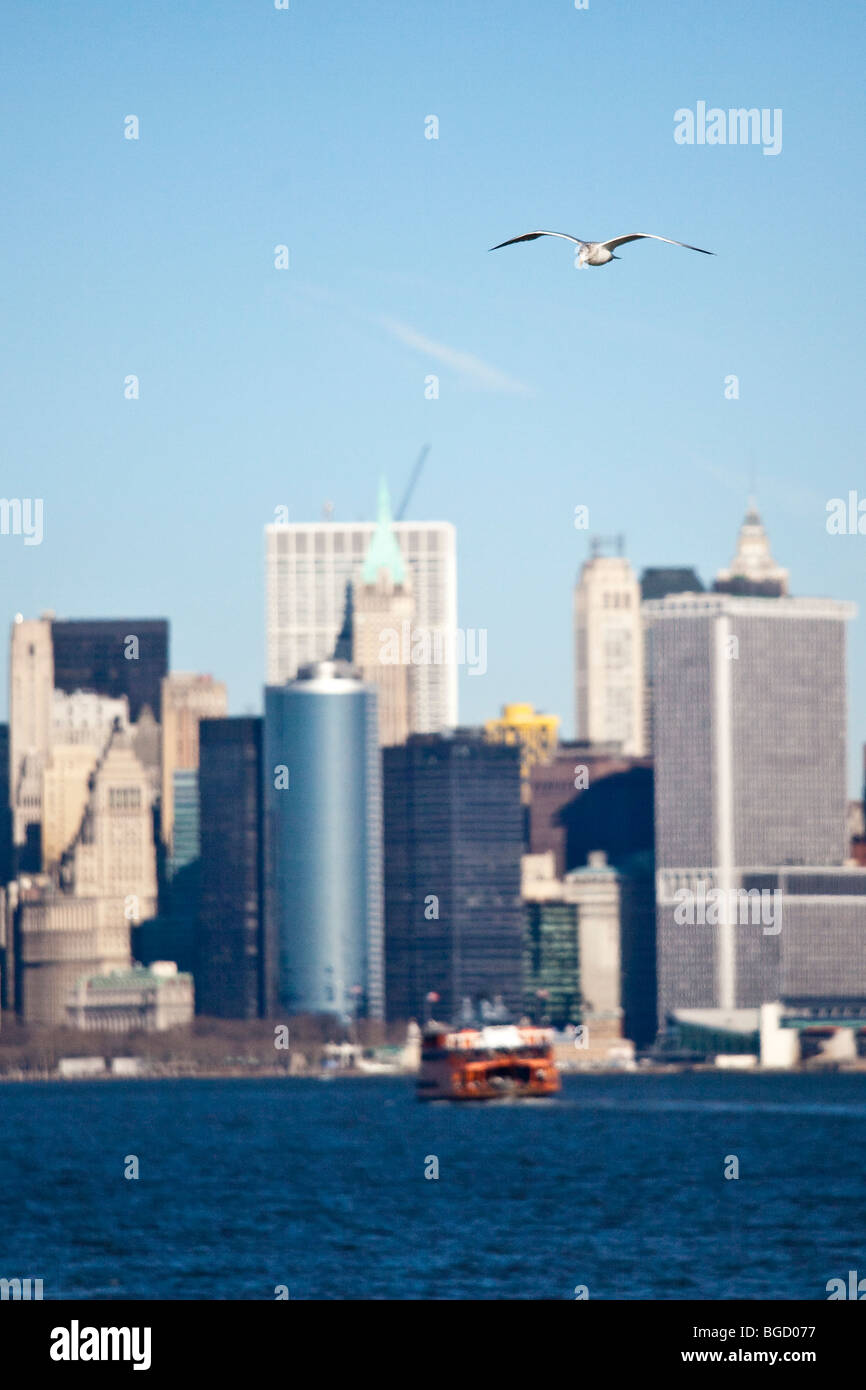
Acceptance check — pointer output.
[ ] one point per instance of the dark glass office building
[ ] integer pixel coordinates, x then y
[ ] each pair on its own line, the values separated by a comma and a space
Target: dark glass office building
97, 654
230, 953
453, 844
323, 842
551, 967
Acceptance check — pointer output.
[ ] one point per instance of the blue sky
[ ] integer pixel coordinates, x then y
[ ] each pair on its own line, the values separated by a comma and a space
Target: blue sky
261, 387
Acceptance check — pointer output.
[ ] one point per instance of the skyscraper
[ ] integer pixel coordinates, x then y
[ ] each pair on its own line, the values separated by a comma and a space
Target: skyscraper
65, 791
31, 683
659, 583
382, 614
113, 656
86, 719
186, 698
750, 714
308, 567
81, 726
7, 866
186, 837
230, 949
608, 641
551, 955
453, 842
113, 854
323, 842
535, 734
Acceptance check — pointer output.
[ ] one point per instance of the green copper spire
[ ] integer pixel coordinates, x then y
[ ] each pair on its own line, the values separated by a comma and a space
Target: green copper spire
384, 552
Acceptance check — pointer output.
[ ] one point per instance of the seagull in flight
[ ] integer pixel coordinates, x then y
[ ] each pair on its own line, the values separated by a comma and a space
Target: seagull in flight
600, 252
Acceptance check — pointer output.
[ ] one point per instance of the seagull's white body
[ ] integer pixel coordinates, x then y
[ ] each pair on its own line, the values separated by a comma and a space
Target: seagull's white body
596, 253
600, 252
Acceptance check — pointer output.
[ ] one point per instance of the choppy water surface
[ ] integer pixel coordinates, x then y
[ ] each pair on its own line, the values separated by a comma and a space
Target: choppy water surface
618, 1185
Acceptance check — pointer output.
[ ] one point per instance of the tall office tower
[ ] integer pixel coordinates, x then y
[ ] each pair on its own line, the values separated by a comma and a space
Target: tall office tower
7, 863
81, 726
536, 735
616, 935
750, 716
65, 793
453, 841
323, 842
186, 699
113, 656
85, 719
609, 651
753, 570
382, 612
659, 583
180, 892
230, 956
113, 854
147, 744
308, 567
31, 682
186, 837
595, 889
551, 959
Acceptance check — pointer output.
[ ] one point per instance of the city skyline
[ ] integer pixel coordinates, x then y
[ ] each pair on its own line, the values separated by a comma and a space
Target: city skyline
432, 672
440, 583
262, 388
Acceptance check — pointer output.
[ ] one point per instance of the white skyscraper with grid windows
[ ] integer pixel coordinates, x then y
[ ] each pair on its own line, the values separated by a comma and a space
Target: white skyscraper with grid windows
608, 651
749, 751
309, 565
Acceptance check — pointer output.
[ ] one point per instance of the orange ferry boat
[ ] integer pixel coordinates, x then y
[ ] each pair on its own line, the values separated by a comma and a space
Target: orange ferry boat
487, 1063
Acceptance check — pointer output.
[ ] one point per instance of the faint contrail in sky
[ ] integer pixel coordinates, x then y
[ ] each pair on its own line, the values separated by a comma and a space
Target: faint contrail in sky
472, 368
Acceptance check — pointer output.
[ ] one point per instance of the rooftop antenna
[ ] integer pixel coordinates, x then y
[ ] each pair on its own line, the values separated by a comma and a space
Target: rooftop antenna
416, 473
327, 510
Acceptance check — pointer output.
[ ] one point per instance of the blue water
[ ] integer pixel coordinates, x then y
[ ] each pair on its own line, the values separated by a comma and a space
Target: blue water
618, 1185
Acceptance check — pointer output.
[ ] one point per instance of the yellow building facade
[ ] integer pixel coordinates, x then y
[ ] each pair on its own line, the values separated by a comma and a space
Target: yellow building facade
536, 734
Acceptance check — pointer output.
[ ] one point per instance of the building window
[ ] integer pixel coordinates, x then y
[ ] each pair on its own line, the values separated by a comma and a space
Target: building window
124, 798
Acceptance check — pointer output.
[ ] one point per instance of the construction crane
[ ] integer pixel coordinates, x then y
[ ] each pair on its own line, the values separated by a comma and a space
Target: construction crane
416, 473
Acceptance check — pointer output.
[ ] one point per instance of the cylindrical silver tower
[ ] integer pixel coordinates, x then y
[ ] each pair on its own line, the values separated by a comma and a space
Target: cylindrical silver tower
323, 842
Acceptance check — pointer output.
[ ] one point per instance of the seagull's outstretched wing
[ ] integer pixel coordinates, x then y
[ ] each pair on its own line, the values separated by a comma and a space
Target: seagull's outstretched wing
637, 236
531, 236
